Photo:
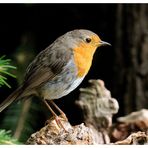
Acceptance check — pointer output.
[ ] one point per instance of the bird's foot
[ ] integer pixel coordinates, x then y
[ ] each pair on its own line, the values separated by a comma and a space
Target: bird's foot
59, 123
63, 116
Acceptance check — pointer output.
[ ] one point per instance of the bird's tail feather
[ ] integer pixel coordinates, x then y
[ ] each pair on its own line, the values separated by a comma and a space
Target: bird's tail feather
12, 97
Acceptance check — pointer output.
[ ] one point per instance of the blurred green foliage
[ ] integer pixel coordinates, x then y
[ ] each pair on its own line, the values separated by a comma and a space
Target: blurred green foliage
6, 139
4, 71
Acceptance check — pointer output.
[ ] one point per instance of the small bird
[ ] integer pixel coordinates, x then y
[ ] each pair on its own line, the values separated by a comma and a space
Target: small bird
59, 69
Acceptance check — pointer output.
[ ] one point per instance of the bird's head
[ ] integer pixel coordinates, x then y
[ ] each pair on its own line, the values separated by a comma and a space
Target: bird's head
86, 41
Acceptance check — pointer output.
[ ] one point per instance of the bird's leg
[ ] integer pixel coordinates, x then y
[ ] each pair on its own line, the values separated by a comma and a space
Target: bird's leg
60, 111
54, 115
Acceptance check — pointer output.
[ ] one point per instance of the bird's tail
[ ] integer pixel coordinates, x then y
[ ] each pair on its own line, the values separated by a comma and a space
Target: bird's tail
12, 97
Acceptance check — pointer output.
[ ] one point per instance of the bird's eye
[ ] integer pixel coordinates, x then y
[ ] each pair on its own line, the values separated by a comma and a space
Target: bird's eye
88, 40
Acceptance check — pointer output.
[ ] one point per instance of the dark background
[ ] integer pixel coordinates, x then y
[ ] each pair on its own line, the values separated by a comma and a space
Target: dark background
29, 28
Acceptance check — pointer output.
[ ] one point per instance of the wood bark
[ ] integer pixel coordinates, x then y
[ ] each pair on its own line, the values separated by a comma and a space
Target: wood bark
131, 57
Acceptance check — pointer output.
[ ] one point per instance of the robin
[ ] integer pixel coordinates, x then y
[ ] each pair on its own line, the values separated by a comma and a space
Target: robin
59, 69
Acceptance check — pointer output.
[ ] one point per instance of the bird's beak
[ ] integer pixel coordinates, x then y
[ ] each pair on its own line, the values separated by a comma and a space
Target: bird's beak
103, 43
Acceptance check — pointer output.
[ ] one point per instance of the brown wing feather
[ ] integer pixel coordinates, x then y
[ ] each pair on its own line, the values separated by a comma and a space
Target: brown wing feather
43, 69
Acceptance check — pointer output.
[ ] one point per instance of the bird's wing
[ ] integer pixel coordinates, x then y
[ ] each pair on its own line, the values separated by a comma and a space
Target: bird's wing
43, 69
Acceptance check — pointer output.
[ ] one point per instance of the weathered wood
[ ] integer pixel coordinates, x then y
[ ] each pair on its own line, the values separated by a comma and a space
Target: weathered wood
134, 122
139, 138
98, 108
53, 134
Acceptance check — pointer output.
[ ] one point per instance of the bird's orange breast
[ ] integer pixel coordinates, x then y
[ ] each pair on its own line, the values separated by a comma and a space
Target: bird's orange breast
83, 56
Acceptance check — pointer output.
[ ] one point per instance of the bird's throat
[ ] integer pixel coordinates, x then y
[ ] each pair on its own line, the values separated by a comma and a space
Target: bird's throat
83, 60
